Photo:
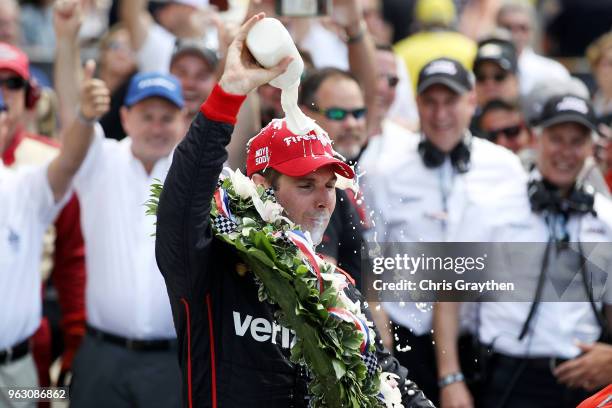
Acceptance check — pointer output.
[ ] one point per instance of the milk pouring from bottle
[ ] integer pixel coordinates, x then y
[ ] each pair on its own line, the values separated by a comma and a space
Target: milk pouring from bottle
270, 42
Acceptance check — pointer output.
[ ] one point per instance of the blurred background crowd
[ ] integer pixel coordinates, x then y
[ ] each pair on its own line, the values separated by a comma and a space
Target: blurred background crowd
520, 53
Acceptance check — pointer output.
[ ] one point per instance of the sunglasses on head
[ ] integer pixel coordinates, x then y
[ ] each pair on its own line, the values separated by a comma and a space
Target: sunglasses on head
499, 77
340, 114
392, 80
511, 132
13, 83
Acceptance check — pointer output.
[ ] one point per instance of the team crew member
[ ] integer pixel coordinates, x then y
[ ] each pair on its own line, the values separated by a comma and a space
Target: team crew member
528, 340
222, 363
30, 199
64, 256
444, 186
130, 337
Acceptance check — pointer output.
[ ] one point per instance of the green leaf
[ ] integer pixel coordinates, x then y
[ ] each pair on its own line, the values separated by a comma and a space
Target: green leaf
339, 368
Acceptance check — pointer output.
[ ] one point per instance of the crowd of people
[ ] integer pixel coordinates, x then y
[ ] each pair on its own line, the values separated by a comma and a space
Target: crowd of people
457, 130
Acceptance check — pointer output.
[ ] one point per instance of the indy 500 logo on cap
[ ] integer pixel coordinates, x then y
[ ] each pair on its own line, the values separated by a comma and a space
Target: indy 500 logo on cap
441, 67
261, 156
571, 103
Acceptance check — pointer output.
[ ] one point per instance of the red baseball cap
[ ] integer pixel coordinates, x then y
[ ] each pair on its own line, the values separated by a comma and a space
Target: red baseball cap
12, 58
293, 155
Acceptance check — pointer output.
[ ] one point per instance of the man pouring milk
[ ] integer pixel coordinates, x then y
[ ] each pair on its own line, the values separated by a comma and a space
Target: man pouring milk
235, 344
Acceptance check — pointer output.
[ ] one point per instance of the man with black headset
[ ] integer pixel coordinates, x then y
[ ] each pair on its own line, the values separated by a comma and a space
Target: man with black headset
536, 360
437, 188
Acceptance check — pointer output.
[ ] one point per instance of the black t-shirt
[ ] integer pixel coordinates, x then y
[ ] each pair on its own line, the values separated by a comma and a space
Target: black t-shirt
343, 238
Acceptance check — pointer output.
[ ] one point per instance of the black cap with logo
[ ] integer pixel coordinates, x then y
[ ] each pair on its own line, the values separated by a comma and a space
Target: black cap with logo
498, 51
568, 109
447, 72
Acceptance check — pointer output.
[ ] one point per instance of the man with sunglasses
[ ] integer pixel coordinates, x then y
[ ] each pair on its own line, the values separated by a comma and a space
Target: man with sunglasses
394, 101
63, 258
502, 122
495, 69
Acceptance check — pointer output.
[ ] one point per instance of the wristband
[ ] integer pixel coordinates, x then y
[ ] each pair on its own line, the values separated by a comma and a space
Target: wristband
450, 379
85, 121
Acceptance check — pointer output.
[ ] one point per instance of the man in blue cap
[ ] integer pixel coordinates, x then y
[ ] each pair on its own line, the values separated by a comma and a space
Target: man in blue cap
128, 357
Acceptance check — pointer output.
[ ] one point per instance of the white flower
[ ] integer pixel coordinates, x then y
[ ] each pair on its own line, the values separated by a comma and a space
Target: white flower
390, 390
243, 186
268, 210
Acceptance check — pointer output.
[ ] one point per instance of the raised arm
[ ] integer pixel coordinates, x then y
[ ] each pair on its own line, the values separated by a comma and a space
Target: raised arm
95, 101
183, 219
137, 20
361, 52
67, 72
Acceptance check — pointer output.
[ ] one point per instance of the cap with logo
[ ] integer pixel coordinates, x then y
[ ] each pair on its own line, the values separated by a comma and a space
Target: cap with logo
498, 51
568, 109
194, 46
445, 71
293, 155
154, 84
13, 59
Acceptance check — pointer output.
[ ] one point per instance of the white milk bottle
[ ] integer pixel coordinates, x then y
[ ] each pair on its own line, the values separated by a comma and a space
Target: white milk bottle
270, 42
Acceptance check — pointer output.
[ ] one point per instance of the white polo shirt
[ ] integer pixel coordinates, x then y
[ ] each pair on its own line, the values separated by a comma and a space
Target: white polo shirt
413, 203
155, 53
125, 293
27, 208
555, 325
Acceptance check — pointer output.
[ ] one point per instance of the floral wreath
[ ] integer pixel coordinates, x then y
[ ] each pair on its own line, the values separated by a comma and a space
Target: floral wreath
334, 339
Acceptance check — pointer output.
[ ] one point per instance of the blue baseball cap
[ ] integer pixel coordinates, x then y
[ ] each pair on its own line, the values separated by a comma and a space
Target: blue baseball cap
154, 84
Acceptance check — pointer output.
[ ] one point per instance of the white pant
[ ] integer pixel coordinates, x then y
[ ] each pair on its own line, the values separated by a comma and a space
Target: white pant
20, 373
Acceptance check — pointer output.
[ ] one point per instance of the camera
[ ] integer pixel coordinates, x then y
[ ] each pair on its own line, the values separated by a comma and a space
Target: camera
303, 8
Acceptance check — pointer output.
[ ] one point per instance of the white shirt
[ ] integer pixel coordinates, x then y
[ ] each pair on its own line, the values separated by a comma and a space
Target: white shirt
380, 146
555, 325
404, 105
27, 208
325, 48
534, 68
125, 293
413, 203
155, 53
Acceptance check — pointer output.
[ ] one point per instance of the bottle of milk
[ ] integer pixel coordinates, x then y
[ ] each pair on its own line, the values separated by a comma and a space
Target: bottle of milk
270, 42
